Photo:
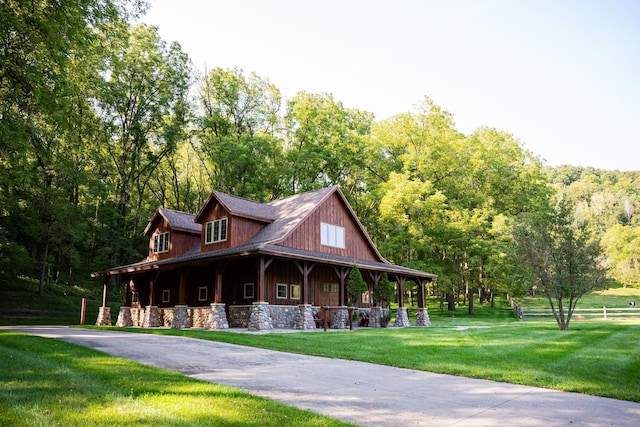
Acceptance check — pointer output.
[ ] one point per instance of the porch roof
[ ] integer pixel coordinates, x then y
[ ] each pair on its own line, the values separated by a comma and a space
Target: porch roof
194, 257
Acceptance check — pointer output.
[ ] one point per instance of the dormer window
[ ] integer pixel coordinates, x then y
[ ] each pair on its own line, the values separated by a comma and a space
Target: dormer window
216, 231
161, 242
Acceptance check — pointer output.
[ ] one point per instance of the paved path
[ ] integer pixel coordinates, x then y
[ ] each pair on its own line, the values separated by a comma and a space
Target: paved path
356, 392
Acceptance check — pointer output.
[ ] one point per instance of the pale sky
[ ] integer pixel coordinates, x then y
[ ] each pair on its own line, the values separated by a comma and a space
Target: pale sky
562, 76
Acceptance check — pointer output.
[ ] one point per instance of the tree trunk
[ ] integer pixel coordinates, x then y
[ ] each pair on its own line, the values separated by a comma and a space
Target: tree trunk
471, 302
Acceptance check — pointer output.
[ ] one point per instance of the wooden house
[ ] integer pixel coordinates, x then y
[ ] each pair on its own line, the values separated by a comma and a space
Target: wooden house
242, 263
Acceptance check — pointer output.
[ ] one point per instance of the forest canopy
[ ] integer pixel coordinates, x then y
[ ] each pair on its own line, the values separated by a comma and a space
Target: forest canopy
102, 122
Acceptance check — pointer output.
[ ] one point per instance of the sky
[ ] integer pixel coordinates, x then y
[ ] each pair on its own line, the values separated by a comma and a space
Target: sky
561, 76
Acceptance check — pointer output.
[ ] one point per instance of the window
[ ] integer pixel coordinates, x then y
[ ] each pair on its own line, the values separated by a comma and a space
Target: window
248, 291
295, 292
331, 235
216, 231
134, 297
329, 288
281, 291
166, 295
161, 242
202, 293
366, 297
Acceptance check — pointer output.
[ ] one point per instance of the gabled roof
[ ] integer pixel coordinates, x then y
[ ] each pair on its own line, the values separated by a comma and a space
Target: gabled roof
238, 206
180, 221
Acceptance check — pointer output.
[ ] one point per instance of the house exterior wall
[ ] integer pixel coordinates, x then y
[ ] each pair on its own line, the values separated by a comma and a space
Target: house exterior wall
307, 235
179, 241
239, 229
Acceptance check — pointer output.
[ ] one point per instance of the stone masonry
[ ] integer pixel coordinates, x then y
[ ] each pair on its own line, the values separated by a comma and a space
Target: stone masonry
304, 320
423, 317
340, 319
402, 318
181, 317
104, 317
124, 318
218, 317
260, 319
151, 317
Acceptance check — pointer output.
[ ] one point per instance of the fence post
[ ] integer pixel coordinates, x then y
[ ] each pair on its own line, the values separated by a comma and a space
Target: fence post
83, 310
604, 310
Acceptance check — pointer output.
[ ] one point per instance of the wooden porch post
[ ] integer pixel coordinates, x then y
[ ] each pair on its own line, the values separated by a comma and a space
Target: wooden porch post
262, 268
182, 290
105, 290
217, 295
305, 269
420, 292
153, 278
342, 273
400, 281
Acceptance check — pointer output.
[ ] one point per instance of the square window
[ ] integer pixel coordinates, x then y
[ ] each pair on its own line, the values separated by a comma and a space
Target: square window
248, 291
332, 235
295, 292
366, 297
166, 295
281, 291
202, 293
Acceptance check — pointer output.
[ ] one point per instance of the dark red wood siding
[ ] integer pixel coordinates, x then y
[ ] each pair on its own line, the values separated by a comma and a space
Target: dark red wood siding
239, 229
179, 241
332, 211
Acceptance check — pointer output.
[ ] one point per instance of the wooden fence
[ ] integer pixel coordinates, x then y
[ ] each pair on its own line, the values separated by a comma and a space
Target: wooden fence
585, 313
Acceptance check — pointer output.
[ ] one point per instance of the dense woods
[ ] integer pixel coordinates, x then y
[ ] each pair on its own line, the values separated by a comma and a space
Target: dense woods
102, 122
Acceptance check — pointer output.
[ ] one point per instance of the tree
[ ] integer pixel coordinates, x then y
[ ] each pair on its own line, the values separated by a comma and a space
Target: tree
622, 245
383, 292
561, 259
356, 286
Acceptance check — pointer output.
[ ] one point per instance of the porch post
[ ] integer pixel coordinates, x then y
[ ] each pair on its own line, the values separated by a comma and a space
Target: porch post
402, 318
422, 318
217, 297
342, 274
262, 268
305, 269
375, 314
182, 289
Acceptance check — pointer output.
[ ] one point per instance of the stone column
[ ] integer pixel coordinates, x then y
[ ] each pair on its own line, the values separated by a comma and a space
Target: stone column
151, 317
124, 318
218, 317
304, 318
402, 318
340, 319
104, 316
180, 317
260, 317
375, 317
423, 317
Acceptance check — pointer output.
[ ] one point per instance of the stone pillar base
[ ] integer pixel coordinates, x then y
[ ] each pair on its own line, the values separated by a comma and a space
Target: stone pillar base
260, 317
375, 317
180, 317
151, 317
304, 319
104, 317
218, 317
340, 319
423, 317
124, 318
402, 318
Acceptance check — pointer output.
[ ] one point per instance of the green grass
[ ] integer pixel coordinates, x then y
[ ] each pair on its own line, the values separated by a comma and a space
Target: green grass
20, 303
613, 296
53, 383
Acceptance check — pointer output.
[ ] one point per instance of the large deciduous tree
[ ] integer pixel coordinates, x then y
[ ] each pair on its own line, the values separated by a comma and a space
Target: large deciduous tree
561, 259
143, 106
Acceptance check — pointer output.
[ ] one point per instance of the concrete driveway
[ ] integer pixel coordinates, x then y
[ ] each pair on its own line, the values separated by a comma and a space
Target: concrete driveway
355, 392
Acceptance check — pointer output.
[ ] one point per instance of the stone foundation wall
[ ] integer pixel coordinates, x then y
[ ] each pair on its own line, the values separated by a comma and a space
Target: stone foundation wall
239, 316
199, 316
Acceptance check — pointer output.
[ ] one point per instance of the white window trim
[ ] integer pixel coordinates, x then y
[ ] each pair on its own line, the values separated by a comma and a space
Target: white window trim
249, 286
161, 242
166, 295
332, 235
206, 293
282, 286
210, 227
